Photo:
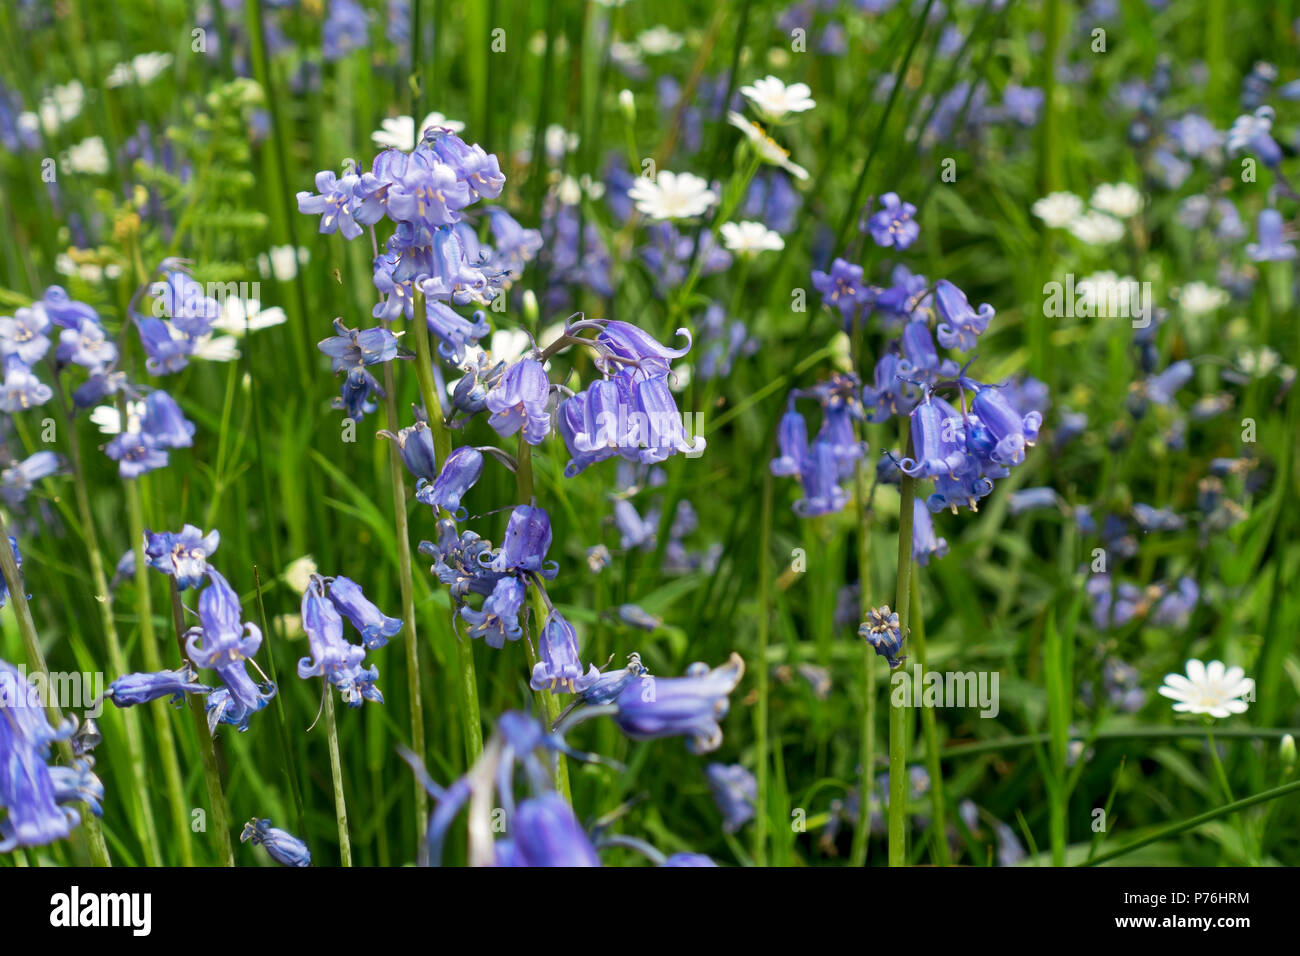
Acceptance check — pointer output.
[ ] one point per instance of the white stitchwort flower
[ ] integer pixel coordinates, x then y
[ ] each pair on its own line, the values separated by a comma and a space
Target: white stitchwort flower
1119, 199
658, 40
399, 132
1058, 209
672, 195
282, 262
89, 157
775, 100
750, 238
298, 574
142, 69
60, 105
1198, 298
769, 150
1209, 689
1097, 228
239, 314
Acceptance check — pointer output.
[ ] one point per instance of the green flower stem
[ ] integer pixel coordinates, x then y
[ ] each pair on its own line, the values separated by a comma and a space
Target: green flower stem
930, 728
549, 702
153, 662
336, 775
898, 715
207, 749
116, 658
93, 833
472, 722
761, 673
1247, 835
406, 584
1191, 823
281, 729
867, 731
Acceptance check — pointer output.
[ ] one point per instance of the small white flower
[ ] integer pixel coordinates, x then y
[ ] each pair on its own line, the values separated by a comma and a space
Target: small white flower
672, 195
89, 157
107, 418
239, 314
215, 348
298, 574
775, 100
1260, 362
399, 132
768, 149
142, 69
61, 105
1209, 689
1097, 228
1198, 298
1058, 209
750, 238
1119, 199
282, 263
509, 345
659, 40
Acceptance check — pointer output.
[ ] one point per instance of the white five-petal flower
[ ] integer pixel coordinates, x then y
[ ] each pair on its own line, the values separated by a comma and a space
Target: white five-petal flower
1058, 209
399, 132
775, 100
1209, 689
1119, 199
672, 195
142, 69
750, 238
1097, 228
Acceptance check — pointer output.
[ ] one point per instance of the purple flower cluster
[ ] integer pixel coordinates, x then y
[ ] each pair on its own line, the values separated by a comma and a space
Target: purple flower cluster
325, 604
821, 467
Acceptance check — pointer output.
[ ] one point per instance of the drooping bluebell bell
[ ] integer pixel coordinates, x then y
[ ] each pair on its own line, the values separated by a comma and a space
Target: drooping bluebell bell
527, 539
1150, 518
498, 620
427, 192
1112, 605
607, 688
842, 288
21, 388
478, 169
23, 334
451, 275
31, 793
1174, 607
925, 543
135, 454
1253, 132
792, 443
691, 706
938, 434
722, 342
921, 364
375, 626
281, 846
996, 431
334, 201
881, 630
415, 442
560, 667
182, 300
890, 393
519, 402
546, 833
351, 348
959, 325
332, 657
635, 345
65, 311
1033, 499
454, 332
345, 29
131, 689
894, 224
89, 346
165, 353
460, 471
1162, 387
182, 555
908, 294
636, 616
227, 644
735, 791
1273, 246
164, 423
18, 480
819, 479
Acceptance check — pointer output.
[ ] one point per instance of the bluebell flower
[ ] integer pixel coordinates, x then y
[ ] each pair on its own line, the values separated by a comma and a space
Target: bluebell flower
182, 555
610, 684
1022, 104
560, 668
451, 275
165, 353
415, 442
182, 300
332, 657
691, 706
227, 644
890, 393
18, 480
1111, 607
66, 312
999, 432
375, 626
881, 630
344, 30
907, 294
894, 225
925, 543
131, 689
460, 471
1252, 132
634, 615
334, 202
589, 423
453, 331
527, 539
959, 324
1272, 245
635, 345
1163, 387
842, 288
428, 193
77, 783
23, 334
498, 621
1157, 519
479, 170
89, 346
280, 846
519, 401
1175, 606
819, 480
792, 443
164, 423
938, 440
545, 832
21, 389
354, 398
921, 364
688, 859
457, 561
352, 348
735, 791
135, 454
1033, 499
